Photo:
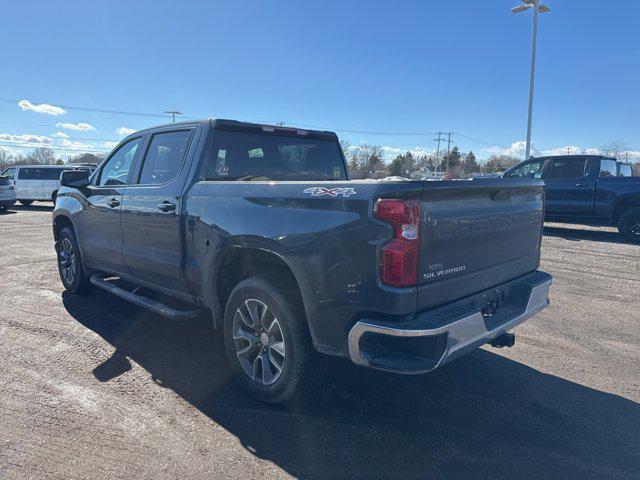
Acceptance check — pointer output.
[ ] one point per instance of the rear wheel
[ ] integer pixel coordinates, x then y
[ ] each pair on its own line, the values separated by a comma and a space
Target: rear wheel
26, 203
268, 341
70, 263
629, 225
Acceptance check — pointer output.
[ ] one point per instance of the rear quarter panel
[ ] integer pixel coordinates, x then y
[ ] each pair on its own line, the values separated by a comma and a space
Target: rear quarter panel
330, 243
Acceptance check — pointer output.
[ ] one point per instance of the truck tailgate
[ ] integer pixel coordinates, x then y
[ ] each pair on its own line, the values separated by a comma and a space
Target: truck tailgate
477, 234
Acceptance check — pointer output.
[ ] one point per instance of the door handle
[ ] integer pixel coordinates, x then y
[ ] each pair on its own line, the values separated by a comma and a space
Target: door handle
582, 185
166, 206
113, 203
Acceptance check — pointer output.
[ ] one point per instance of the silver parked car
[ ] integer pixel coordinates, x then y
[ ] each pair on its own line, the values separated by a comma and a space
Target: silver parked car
7, 193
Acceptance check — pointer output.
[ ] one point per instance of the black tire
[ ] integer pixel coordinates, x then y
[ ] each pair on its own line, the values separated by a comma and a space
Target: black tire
629, 225
26, 203
66, 245
302, 366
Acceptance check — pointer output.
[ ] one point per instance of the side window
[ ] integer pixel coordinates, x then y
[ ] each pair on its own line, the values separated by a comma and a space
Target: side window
625, 170
608, 168
566, 168
29, 174
116, 170
10, 173
164, 157
51, 173
528, 170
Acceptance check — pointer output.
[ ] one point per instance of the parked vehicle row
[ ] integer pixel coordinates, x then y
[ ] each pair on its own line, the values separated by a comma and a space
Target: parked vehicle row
586, 189
39, 182
260, 226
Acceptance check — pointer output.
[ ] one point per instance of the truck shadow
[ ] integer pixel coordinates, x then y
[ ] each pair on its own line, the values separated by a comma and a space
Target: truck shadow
592, 235
483, 416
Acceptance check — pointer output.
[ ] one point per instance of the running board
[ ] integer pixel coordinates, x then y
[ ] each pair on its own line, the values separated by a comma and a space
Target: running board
156, 307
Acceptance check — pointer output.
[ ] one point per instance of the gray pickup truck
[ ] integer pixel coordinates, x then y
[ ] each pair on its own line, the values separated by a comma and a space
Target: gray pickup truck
260, 227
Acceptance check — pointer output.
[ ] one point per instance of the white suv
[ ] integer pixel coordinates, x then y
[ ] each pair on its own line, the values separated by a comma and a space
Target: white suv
38, 182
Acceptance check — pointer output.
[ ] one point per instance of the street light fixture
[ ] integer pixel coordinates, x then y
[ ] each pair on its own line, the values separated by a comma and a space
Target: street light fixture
537, 8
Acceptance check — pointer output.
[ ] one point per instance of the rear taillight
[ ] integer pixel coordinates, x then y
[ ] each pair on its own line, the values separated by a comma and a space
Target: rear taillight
399, 257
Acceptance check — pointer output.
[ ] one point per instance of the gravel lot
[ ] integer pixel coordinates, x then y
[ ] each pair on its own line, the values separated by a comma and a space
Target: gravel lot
92, 387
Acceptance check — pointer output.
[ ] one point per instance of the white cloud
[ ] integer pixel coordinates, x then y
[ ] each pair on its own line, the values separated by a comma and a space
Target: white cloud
41, 108
517, 149
60, 135
110, 144
36, 140
569, 150
75, 145
82, 127
124, 131
391, 152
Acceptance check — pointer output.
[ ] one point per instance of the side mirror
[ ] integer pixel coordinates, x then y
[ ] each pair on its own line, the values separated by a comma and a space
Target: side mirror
74, 178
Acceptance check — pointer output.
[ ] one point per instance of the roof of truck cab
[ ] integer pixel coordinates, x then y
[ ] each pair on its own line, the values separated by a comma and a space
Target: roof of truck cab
235, 124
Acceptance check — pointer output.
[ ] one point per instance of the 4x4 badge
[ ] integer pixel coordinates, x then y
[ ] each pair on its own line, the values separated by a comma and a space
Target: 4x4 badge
330, 192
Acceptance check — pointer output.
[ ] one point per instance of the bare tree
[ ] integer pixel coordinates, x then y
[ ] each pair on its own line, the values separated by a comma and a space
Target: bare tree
499, 163
42, 156
5, 158
87, 158
614, 149
367, 157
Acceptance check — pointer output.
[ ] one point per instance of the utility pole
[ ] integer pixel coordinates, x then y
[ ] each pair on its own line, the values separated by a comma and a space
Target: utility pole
173, 114
439, 139
568, 150
448, 134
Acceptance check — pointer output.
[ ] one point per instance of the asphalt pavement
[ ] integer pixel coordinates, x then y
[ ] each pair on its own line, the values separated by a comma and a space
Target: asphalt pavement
93, 387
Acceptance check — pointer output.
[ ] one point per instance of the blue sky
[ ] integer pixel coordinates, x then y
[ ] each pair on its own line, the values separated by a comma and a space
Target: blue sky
388, 67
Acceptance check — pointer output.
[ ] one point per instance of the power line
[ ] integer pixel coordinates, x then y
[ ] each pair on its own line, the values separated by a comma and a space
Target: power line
97, 110
479, 140
174, 113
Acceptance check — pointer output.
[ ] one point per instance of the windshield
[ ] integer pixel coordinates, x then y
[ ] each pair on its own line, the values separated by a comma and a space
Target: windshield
255, 156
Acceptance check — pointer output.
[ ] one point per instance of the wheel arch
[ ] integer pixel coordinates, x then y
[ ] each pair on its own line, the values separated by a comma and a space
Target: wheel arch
240, 262
60, 222
623, 203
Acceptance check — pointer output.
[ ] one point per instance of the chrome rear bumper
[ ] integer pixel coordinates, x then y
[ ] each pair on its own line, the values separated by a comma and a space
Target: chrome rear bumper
438, 336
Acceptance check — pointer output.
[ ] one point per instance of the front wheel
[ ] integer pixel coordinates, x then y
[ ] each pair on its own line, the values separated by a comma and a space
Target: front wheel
70, 263
268, 341
629, 225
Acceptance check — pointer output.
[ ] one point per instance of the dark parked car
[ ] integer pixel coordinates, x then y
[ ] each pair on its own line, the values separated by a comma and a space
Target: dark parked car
586, 189
260, 226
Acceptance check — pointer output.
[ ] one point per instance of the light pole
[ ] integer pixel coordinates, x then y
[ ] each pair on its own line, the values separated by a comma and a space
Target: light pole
537, 8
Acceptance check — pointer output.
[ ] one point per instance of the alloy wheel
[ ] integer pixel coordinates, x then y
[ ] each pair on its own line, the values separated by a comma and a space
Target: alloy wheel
259, 341
67, 259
